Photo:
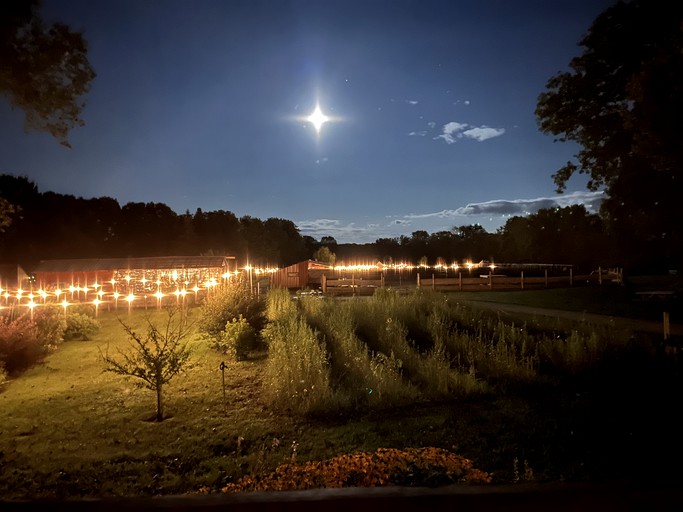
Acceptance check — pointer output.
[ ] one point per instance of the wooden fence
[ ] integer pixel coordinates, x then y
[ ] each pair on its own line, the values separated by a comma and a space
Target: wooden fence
464, 281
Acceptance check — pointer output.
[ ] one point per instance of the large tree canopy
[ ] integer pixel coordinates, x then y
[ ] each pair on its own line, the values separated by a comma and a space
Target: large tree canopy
622, 102
44, 69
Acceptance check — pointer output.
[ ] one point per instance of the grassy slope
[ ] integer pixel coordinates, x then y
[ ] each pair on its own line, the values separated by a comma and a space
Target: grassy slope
612, 300
68, 429
66, 416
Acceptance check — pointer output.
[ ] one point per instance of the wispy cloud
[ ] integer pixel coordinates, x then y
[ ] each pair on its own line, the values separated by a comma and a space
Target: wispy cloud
504, 207
412, 102
483, 133
453, 131
351, 232
330, 227
420, 133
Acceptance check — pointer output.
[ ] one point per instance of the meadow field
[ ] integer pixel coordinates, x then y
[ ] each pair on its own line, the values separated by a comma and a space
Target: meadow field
544, 400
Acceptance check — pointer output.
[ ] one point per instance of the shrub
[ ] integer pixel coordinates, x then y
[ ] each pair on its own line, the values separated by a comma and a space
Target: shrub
20, 344
226, 303
80, 326
3, 373
238, 338
83, 309
51, 325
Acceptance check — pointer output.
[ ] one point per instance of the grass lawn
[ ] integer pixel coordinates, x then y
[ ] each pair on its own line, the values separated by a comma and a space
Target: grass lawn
80, 429
609, 299
68, 429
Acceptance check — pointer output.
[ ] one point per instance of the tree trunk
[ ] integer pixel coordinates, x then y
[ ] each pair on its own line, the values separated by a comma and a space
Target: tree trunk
160, 405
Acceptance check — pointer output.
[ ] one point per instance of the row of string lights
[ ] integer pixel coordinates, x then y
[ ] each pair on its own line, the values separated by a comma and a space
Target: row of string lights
142, 287
129, 288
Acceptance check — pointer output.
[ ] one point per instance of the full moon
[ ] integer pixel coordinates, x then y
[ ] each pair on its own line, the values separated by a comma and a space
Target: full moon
317, 119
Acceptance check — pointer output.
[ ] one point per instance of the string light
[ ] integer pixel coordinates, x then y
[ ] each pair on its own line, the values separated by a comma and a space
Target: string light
196, 281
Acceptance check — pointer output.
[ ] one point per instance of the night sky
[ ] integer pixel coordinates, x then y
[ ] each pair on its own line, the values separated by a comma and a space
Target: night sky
202, 104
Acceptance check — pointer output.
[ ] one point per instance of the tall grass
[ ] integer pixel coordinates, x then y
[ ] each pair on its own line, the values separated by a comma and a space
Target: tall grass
399, 327
279, 305
390, 349
369, 378
297, 374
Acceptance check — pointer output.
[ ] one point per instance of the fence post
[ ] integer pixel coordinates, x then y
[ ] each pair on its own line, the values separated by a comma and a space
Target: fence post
323, 282
521, 281
490, 279
353, 283
460, 280
571, 277
433, 288
600, 276
667, 327
381, 281
546, 277
418, 279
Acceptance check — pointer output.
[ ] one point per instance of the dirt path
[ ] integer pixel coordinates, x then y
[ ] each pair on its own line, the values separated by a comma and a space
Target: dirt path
621, 322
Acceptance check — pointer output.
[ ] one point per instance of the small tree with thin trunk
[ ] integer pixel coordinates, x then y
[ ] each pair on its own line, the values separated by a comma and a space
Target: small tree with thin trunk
155, 358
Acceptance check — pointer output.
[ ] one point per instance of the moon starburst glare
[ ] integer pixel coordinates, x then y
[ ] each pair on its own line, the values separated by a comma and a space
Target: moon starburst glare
317, 119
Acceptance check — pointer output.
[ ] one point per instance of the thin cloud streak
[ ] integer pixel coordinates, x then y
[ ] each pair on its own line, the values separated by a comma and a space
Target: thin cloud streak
492, 214
454, 130
591, 200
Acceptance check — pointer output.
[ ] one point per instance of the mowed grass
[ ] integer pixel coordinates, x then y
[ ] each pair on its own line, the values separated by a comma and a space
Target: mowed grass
68, 427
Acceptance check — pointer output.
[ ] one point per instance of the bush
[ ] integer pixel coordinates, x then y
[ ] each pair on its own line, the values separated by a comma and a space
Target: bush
21, 345
80, 326
226, 303
3, 373
51, 325
238, 338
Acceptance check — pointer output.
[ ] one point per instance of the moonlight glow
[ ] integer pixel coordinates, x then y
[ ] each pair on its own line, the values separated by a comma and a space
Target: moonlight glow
317, 119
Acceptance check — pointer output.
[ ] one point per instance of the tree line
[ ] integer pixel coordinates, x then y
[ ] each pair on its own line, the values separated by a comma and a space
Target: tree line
49, 225
569, 235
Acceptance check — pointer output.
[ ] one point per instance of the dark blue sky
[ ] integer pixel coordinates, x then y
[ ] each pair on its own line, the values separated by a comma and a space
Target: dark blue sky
199, 104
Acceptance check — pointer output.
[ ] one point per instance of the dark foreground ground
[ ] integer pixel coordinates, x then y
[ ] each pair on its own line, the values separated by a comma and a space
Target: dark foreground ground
623, 496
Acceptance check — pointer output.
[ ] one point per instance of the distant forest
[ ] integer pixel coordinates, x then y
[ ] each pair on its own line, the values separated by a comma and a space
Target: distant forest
47, 225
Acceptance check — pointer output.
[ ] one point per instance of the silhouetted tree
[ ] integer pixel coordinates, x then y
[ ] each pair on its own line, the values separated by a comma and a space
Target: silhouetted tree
286, 245
388, 249
146, 229
443, 244
557, 235
330, 242
44, 70
475, 243
622, 102
257, 250
217, 232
